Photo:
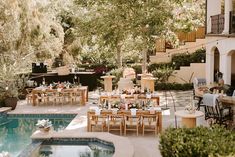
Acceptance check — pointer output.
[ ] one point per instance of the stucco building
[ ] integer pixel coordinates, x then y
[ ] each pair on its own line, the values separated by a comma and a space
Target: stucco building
220, 40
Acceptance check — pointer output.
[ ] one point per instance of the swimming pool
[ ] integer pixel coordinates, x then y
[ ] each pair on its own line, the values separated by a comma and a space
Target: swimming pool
71, 147
16, 129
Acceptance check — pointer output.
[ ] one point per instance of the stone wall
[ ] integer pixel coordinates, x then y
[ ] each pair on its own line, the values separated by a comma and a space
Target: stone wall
187, 73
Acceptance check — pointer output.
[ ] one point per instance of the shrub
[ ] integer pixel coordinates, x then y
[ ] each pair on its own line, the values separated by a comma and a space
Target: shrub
163, 74
155, 66
198, 56
186, 59
173, 86
181, 59
197, 142
137, 68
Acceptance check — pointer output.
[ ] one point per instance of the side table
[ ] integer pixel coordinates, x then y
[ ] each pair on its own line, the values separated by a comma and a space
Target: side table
189, 119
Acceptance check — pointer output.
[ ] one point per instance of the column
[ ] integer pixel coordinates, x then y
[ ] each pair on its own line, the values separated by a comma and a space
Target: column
225, 67
108, 83
143, 81
227, 8
209, 65
149, 83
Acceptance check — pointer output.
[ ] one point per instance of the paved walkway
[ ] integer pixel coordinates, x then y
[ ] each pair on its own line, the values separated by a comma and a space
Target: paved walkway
147, 145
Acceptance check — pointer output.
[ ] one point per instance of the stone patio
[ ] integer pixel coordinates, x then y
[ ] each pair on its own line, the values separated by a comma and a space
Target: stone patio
143, 145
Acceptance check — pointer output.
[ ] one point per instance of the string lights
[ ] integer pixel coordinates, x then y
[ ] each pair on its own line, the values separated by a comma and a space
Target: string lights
199, 45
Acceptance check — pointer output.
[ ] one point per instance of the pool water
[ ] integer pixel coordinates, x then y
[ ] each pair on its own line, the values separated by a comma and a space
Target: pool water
15, 130
74, 148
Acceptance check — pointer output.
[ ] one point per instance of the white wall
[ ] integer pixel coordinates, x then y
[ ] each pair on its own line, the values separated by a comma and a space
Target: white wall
225, 45
188, 72
213, 8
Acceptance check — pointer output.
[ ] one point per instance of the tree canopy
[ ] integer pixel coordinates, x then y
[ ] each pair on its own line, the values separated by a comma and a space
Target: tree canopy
112, 29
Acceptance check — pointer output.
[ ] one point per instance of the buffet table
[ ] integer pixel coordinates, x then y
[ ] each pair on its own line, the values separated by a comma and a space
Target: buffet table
84, 78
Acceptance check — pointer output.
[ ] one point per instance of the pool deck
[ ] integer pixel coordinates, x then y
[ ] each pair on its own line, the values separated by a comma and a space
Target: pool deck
146, 146
5, 109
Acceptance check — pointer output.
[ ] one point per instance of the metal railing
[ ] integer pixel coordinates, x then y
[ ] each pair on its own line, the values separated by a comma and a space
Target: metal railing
232, 22
217, 24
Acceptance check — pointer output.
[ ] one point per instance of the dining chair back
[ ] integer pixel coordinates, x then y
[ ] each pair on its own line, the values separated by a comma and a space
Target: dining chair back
115, 122
150, 123
97, 121
131, 122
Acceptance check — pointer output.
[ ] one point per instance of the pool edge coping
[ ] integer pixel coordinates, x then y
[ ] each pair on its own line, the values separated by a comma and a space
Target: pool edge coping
123, 146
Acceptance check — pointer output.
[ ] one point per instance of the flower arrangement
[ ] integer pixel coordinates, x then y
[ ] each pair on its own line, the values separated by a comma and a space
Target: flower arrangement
133, 105
4, 154
116, 104
190, 108
44, 124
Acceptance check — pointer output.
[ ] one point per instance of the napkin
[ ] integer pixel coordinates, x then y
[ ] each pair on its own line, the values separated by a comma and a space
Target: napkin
133, 111
114, 111
97, 112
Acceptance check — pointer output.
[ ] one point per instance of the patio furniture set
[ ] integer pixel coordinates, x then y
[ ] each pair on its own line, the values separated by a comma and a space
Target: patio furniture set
218, 106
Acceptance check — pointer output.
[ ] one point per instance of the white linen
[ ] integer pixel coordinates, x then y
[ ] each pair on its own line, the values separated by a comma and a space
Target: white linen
133, 111
97, 112
210, 99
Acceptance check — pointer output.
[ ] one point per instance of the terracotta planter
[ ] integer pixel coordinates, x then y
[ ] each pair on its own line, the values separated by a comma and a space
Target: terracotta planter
11, 102
45, 129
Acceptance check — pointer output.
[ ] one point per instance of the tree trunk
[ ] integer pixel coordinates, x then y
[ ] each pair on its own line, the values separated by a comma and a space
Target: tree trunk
119, 57
144, 62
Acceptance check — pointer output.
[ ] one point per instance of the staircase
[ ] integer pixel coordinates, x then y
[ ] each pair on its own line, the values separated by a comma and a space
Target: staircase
190, 42
186, 73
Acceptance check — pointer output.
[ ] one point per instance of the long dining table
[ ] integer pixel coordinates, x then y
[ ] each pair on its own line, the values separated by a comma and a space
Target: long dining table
140, 112
82, 89
138, 97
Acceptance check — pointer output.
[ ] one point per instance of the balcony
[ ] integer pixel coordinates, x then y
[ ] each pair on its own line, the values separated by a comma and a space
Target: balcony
217, 24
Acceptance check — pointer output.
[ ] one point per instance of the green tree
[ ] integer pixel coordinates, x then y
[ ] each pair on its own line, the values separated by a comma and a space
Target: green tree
30, 27
109, 24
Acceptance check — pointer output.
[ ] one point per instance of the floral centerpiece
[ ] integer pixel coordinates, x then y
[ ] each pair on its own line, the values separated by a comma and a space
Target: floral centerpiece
44, 124
133, 105
190, 108
4, 154
116, 104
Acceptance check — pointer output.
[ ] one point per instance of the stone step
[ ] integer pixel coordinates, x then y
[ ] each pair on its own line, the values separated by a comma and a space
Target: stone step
189, 47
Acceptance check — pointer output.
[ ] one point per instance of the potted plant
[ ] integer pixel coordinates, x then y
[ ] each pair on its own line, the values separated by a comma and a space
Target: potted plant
44, 125
11, 82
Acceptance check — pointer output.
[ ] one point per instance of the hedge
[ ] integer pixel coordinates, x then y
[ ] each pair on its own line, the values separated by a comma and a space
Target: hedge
197, 142
182, 59
173, 86
186, 59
